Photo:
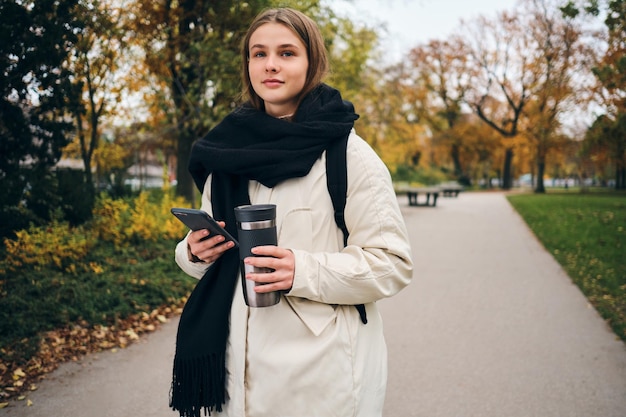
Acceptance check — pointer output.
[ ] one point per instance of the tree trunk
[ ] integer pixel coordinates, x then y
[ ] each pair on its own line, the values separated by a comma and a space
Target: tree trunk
541, 164
541, 168
185, 186
183, 78
507, 180
454, 154
620, 178
88, 158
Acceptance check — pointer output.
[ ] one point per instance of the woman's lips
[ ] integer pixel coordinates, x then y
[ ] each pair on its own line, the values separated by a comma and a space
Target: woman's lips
272, 82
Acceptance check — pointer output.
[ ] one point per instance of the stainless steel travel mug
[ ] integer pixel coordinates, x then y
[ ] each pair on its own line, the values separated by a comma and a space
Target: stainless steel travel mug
256, 226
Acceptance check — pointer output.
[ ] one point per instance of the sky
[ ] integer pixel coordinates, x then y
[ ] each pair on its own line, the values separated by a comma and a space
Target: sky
410, 22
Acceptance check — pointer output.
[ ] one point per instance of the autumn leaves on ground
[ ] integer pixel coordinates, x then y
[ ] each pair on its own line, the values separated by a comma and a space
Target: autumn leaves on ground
70, 344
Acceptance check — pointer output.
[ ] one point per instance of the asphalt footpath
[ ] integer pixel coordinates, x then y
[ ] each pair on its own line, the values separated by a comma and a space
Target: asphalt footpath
491, 326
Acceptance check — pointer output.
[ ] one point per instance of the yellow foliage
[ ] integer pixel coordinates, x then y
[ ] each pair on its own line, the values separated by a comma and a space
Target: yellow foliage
109, 220
60, 246
119, 222
110, 156
57, 245
155, 221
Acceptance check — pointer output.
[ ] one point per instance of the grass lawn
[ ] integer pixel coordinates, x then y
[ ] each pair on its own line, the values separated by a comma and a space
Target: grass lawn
586, 234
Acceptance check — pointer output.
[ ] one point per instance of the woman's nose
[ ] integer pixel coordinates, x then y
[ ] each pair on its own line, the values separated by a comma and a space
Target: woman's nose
270, 65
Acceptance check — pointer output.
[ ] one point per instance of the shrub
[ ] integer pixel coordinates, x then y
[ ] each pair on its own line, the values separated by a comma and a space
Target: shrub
119, 264
58, 246
154, 221
145, 219
110, 218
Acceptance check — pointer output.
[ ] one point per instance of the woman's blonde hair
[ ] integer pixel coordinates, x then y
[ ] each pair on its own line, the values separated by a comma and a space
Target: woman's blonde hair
309, 34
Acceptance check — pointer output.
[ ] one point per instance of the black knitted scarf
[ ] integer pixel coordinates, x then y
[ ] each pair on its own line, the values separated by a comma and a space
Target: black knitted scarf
247, 145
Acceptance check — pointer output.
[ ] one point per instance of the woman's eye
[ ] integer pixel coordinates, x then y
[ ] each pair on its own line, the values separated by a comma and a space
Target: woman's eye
258, 54
287, 53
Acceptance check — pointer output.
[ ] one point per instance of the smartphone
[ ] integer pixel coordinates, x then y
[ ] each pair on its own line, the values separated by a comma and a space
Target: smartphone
200, 219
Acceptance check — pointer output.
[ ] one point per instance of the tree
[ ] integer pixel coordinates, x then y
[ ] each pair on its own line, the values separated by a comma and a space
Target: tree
192, 50
438, 68
606, 141
532, 62
36, 95
500, 76
557, 72
388, 124
95, 61
351, 47
608, 133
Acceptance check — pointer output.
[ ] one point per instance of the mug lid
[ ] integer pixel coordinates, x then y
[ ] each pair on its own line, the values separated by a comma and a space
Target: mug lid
255, 212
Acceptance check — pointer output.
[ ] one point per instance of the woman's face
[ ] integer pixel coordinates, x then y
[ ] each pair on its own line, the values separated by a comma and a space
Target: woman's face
277, 67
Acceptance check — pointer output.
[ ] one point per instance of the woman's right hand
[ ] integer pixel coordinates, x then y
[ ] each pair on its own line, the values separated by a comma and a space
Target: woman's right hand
208, 250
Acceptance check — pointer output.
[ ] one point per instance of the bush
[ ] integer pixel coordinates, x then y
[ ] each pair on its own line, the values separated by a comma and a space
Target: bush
77, 199
57, 246
120, 263
130, 222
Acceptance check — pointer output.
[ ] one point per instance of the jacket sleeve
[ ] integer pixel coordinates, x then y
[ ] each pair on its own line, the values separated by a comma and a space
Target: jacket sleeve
376, 263
194, 269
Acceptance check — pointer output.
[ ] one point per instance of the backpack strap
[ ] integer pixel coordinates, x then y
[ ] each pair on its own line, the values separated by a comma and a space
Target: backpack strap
337, 181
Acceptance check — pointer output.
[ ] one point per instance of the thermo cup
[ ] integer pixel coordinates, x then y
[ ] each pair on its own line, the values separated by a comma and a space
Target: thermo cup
256, 226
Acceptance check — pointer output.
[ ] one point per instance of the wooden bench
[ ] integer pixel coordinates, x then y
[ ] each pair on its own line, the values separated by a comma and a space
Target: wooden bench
414, 192
450, 189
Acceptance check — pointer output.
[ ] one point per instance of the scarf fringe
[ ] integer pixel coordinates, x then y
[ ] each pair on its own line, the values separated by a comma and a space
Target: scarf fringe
198, 384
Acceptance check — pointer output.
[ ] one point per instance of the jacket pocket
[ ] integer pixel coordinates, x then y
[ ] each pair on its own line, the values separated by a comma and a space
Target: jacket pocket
296, 229
315, 316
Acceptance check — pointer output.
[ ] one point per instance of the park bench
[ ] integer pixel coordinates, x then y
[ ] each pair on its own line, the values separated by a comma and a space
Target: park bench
414, 192
450, 189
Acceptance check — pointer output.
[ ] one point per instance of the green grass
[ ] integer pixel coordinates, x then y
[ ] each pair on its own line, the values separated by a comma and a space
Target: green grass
586, 234
136, 279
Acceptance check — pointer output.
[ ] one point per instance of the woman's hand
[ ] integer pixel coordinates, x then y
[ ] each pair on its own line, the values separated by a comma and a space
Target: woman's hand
281, 261
209, 249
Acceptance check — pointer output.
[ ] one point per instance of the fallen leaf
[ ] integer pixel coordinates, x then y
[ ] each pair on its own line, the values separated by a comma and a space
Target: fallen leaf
122, 341
3, 405
99, 334
106, 344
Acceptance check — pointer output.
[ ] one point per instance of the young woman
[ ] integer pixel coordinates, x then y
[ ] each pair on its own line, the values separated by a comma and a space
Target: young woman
312, 354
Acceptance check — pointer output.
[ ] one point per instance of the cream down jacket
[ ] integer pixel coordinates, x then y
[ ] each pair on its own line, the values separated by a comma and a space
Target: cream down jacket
310, 355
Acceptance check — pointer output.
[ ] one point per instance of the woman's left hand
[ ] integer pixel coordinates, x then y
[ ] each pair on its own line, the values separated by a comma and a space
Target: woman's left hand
280, 260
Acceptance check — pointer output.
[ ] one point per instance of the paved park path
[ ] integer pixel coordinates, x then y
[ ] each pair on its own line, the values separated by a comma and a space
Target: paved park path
490, 327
